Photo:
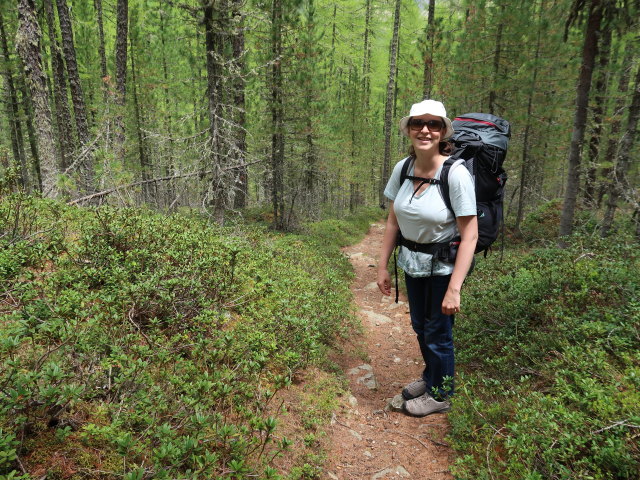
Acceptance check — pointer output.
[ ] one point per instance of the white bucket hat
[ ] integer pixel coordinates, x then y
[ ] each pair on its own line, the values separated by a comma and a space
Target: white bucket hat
431, 107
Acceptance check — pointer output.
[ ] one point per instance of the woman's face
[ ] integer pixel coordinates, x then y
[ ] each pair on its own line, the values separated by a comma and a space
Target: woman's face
425, 132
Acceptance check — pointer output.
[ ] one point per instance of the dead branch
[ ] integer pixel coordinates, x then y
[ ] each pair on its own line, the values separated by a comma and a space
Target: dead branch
109, 191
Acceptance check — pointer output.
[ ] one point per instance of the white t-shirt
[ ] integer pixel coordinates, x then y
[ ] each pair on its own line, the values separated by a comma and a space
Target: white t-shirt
425, 218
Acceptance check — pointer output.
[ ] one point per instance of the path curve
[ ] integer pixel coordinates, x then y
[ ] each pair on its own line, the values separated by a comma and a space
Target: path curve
368, 441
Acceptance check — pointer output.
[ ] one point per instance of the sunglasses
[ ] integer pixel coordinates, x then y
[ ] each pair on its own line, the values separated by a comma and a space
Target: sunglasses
417, 124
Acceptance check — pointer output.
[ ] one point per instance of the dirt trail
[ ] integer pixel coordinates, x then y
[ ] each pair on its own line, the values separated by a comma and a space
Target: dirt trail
367, 440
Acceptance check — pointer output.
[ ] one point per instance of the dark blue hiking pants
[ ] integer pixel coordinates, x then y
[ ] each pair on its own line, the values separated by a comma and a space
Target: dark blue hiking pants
434, 330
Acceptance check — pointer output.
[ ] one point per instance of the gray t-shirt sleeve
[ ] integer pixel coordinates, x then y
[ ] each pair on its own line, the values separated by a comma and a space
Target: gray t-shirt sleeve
393, 185
462, 192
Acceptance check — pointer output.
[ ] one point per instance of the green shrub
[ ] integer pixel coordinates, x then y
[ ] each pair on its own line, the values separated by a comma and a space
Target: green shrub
549, 347
159, 341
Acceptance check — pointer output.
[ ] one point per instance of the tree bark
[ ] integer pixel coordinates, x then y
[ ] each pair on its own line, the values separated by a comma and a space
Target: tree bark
589, 52
616, 123
97, 4
621, 185
75, 86
366, 61
13, 114
169, 165
216, 22
388, 111
277, 117
63, 116
28, 46
77, 96
427, 76
496, 62
142, 154
598, 110
240, 199
122, 34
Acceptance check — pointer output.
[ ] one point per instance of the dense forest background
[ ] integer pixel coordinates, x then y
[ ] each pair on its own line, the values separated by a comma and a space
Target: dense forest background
292, 105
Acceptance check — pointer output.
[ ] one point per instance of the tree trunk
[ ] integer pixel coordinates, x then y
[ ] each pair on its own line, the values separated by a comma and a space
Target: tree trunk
598, 110
28, 46
427, 77
240, 199
277, 117
215, 22
621, 185
526, 163
13, 114
616, 123
389, 105
63, 116
142, 154
97, 4
122, 34
168, 117
589, 51
366, 61
77, 97
496, 63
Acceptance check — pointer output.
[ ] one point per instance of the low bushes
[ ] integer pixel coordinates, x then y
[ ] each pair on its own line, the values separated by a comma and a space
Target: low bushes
550, 353
145, 346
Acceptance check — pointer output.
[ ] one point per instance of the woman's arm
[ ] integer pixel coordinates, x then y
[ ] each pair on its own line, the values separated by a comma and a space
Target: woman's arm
468, 228
388, 244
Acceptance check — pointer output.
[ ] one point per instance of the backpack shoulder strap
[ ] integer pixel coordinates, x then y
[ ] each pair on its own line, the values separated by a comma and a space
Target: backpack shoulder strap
405, 169
448, 164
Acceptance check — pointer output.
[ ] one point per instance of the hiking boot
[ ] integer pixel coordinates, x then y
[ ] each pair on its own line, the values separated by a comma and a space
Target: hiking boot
425, 405
414, 389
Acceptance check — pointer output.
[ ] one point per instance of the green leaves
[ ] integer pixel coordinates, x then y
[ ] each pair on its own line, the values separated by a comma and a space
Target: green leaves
549, 343
161, 341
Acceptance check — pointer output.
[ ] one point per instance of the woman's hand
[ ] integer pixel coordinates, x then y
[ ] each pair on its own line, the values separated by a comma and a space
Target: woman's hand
384, 282
451, 302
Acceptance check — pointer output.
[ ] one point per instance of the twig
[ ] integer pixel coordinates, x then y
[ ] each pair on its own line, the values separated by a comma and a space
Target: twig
622, 423
489, 448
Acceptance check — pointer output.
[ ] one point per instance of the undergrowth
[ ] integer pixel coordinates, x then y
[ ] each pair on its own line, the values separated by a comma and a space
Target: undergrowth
138, 346
549, 348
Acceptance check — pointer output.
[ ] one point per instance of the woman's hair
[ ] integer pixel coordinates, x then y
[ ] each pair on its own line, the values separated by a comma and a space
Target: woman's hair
444, 147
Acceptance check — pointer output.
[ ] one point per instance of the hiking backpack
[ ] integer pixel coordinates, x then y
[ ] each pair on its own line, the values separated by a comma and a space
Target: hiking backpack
481, 142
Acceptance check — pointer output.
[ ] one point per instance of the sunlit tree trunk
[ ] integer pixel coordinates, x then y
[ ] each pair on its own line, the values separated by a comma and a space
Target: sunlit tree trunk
28, 46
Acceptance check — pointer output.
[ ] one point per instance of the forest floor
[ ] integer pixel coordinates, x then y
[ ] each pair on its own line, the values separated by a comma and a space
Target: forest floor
367, 440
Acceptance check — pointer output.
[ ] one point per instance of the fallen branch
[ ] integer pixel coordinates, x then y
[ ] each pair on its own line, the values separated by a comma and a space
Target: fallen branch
109, 191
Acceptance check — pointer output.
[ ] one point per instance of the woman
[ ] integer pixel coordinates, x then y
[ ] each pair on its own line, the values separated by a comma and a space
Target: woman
418, 211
